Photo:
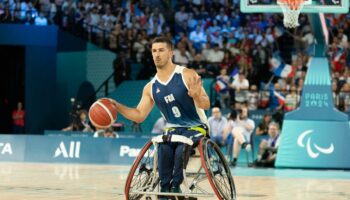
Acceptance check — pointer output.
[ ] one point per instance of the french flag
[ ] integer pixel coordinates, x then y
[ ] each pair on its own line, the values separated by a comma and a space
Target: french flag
280, 97
235, 72
339, 55
279, 68
221, 85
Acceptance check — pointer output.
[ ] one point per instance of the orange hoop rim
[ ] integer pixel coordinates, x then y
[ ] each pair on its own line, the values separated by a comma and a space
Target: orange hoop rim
292, 4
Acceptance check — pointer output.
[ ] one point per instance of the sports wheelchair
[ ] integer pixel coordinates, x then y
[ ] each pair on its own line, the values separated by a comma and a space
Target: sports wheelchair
203, 163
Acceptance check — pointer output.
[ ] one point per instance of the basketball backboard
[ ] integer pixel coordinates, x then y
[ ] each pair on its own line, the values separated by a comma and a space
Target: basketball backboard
311, 6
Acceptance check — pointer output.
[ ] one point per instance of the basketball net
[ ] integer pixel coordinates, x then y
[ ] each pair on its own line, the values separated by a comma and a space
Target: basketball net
291, 10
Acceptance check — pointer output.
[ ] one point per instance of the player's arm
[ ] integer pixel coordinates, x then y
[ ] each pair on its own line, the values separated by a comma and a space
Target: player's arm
195, 89
142, 110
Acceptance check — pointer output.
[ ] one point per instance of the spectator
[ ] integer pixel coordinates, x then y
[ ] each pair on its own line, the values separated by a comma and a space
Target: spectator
154, 28
192, 23
139, 47
264, 99
18, 119
199, 65
227, 62
159, 126
292, 100
240, 85
205, 51
198, 38
158, 16
215, 57
262, 128
307, 40
241, 133
181, 16
217, 124
222, 18
343, 38
181, 55
214, 28
268, 148
253, 98
93, 20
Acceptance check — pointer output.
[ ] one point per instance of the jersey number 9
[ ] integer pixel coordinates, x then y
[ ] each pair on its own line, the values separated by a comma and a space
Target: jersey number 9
176, 111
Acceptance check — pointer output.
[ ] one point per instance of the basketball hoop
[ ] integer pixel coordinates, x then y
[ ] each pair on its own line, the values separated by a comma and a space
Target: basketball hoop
291, 10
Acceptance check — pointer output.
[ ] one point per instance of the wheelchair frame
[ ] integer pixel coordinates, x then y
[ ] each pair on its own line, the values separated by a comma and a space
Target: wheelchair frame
143, 179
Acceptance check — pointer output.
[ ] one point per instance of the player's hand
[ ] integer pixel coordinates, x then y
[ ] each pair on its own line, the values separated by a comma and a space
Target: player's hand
111, 100
195, 87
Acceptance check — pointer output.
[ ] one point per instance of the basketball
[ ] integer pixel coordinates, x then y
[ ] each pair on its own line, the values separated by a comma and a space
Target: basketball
103, 113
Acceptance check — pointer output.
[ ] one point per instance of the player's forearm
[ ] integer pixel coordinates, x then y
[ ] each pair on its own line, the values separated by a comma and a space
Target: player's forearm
202, 102
130, 113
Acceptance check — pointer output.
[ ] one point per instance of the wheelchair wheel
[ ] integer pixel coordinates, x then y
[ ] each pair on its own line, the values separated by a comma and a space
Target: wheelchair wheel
141, 174
217, 170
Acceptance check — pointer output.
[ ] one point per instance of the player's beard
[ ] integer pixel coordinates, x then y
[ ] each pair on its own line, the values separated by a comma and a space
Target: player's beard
161, 64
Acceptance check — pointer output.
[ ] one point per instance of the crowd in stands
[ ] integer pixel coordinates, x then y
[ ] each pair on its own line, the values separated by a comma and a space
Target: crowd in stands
213, 37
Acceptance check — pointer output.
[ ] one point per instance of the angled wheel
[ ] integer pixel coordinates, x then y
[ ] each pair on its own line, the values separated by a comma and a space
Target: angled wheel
141, 175
217, 170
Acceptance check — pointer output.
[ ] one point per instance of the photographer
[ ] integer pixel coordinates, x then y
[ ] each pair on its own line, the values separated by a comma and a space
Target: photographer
241, 132
79, 122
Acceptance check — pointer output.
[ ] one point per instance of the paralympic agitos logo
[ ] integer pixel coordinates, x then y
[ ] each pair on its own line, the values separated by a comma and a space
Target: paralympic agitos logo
313, 150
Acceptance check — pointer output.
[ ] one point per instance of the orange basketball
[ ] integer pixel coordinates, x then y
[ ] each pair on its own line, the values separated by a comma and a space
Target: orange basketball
103, 113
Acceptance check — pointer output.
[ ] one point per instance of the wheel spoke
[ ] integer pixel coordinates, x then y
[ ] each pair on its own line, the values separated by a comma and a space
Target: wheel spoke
219, 171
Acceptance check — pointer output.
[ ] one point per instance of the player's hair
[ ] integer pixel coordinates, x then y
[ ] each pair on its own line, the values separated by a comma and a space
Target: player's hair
165, 40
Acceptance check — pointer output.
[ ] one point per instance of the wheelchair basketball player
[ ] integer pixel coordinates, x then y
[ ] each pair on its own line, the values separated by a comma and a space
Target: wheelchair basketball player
179, 94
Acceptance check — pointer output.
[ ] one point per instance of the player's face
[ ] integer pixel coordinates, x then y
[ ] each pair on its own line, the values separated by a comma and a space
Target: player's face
161, 54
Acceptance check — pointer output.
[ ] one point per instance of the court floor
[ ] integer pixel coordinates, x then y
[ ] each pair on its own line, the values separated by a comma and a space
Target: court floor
38, 181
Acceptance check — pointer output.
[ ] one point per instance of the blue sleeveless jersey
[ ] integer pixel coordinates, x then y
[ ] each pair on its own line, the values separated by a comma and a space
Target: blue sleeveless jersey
175, 104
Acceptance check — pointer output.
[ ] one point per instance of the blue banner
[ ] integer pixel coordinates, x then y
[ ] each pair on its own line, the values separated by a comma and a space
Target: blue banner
62, 149
314, 144
12, 148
